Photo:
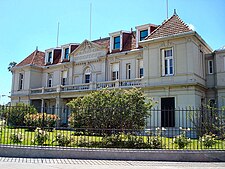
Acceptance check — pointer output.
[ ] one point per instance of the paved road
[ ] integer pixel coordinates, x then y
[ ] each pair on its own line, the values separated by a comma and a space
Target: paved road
32, 163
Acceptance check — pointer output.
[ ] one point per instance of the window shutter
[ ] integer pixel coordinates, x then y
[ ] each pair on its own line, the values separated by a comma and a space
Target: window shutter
141, 63
163, 62
64, 74
115, 67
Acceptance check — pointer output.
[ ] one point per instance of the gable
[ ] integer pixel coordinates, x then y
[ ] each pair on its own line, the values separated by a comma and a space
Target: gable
88, 51
172, 26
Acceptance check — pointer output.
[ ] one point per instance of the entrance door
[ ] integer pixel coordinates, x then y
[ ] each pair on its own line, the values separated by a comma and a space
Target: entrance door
168, 112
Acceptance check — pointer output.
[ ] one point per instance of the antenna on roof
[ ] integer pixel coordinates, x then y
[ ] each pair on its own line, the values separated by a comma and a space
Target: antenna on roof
166, 9
58, 35
175, 13
90, 18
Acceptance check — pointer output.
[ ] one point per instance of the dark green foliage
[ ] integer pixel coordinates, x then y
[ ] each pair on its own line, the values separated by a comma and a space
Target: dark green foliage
11, 65
209, 120
15, 115
62, 139
122, 140
181, 140
40, 137
110, 109
16, 137
208, 140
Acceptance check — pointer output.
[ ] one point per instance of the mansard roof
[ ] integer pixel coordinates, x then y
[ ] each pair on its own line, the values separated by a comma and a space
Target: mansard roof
35, 58
173, 26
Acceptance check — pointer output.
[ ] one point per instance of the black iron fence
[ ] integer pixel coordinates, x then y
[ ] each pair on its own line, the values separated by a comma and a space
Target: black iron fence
188, 128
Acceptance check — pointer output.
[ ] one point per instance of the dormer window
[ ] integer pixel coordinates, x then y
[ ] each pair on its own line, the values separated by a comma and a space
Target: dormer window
116, 44
50, 57
66, 53
143, 34
116, 40
143, 31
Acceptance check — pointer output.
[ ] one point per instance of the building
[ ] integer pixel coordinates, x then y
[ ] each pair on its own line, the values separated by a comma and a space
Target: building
170, 62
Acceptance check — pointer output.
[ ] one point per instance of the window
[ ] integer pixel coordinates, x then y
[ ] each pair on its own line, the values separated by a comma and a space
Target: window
49, 57
167, 62
66, 53
141, 69
64, 78
128, 71
87, 75
21, 81
210, 67
116, 42
50, 75
143, 34
115, 71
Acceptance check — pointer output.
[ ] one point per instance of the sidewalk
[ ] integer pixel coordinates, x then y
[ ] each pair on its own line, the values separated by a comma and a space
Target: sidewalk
36, 163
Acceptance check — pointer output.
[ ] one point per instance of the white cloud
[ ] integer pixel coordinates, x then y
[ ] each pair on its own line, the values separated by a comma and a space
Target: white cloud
192, 27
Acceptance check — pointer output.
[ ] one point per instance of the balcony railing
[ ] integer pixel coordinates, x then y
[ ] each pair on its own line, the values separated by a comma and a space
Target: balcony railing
75, 87
89, 86
108, 84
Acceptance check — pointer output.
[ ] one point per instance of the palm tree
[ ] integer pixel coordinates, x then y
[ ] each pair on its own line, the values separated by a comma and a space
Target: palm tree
11, 65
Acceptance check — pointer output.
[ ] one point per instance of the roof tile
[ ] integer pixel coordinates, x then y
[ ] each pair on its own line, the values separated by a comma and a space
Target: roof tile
172, 26
35, 58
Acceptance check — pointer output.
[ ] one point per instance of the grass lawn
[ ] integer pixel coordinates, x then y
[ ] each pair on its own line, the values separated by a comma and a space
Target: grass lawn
28, 136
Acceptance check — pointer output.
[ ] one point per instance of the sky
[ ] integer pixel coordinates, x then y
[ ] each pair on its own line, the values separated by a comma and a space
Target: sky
26, 24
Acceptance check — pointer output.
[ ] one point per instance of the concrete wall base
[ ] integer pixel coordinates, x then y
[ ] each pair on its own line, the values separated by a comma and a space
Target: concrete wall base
114, 154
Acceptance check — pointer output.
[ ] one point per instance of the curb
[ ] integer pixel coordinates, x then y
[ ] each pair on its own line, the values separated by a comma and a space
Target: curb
114, 154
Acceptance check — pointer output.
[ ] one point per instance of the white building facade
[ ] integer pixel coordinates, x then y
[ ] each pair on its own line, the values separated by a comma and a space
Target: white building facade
170, 63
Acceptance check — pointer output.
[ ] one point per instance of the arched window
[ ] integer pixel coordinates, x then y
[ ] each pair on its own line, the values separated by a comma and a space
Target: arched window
87, 75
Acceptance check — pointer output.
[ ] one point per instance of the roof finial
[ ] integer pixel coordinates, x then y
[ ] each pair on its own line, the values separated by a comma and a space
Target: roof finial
36, 48
175, 13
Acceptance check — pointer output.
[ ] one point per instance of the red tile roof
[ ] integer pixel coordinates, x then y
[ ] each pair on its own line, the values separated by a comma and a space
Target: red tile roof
36, 58
172, 26
104, 42
57, 56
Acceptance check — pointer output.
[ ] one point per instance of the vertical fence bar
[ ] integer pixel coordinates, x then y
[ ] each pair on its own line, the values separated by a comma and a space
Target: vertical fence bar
91, 131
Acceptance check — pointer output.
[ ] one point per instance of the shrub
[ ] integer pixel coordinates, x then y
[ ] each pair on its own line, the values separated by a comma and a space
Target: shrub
63, 140
15, 115
110, 109
156, 140
181, 140
118, 140
209, 119
16, 137
208, 140
40, 137
41, 120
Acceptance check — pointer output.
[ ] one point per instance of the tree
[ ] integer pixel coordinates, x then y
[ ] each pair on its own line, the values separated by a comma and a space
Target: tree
11, 65
15, 115
209, 120
105, 109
